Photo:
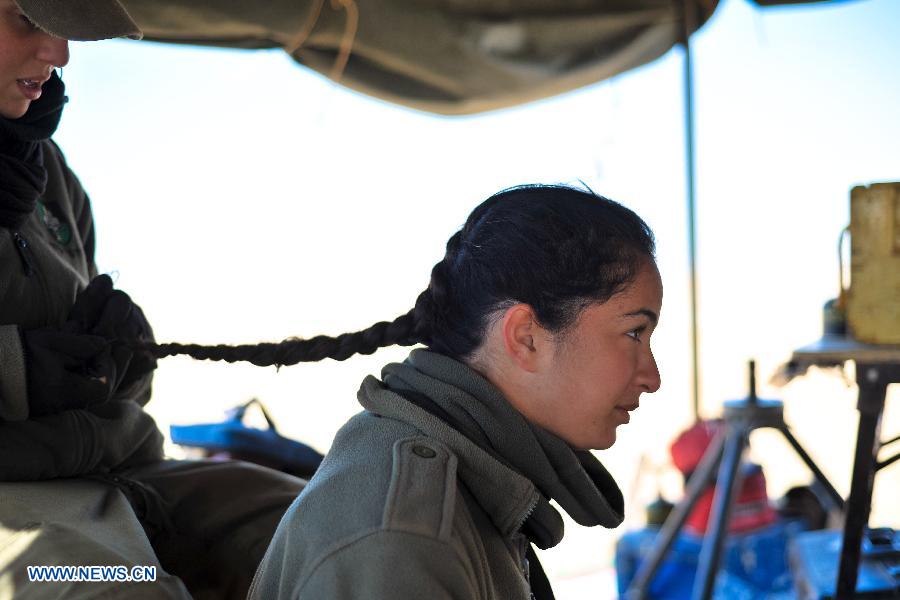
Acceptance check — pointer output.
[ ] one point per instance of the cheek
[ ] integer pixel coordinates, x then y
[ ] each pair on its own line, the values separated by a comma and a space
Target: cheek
611, 385
592, 387
16, 51
10, 67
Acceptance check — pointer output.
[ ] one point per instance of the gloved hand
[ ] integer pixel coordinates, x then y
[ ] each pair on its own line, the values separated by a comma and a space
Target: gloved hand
101, 310
67, 370
85, 313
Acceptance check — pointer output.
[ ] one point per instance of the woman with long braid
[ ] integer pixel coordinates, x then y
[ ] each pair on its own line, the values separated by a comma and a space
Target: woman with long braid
536, 326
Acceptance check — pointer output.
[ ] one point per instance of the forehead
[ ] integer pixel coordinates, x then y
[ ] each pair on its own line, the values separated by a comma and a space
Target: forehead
644, 294
646, 287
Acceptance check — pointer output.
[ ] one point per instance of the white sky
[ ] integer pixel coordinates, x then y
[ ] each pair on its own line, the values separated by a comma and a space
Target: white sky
242, 198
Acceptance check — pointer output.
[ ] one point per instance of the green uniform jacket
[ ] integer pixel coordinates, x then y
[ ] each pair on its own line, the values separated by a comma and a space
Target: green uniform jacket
404, 506
60, 249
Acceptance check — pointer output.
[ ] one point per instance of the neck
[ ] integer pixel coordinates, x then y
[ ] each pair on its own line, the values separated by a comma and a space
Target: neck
504, 374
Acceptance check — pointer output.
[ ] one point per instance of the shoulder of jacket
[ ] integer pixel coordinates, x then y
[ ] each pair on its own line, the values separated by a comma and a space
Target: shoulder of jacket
422, 495
56, 164
53, 152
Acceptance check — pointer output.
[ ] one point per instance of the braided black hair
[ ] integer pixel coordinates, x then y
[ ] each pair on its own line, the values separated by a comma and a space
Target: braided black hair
555, 248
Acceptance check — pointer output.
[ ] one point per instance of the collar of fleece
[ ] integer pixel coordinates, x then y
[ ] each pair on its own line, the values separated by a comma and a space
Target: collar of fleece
23, 178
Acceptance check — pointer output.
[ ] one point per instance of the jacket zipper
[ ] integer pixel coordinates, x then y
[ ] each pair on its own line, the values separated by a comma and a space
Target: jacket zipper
523, 547
526, 566
24, 253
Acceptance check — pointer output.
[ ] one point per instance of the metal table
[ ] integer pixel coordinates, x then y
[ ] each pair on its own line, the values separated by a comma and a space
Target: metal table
876, 367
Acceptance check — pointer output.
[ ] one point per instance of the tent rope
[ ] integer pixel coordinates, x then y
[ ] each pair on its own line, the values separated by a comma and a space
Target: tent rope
351, 26
308, 25
350, 29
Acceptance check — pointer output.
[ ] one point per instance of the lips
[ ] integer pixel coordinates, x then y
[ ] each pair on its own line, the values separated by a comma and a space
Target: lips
624, 412
31, 86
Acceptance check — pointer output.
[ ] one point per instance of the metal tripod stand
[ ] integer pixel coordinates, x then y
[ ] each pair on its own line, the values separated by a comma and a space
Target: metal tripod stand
723, 456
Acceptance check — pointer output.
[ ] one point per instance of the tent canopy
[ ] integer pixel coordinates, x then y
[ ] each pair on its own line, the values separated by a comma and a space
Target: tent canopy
442, 56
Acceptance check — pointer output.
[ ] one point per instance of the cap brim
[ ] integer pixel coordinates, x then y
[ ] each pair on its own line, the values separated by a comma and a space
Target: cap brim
81, 20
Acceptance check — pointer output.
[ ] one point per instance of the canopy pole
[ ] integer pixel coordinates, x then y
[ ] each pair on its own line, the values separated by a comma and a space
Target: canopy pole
689, 24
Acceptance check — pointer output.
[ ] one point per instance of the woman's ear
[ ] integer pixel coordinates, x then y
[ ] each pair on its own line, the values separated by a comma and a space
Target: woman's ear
523, 337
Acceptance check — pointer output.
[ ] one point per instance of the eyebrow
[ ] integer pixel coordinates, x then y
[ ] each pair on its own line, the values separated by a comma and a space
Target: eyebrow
646, 312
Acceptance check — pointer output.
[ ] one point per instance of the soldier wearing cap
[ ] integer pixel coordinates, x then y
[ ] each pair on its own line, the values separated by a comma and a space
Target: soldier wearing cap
83, 480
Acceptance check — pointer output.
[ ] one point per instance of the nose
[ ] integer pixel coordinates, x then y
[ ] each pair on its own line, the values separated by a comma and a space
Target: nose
647, 375
53, 50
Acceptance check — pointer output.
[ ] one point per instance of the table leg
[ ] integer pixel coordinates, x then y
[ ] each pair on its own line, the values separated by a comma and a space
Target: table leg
837, 503
872, 380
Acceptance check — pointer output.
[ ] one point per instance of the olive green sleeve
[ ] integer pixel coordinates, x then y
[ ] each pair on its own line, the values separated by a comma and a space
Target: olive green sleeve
13, 390
77, 442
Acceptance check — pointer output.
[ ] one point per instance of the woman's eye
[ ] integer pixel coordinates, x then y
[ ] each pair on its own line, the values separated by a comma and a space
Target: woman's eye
635, 334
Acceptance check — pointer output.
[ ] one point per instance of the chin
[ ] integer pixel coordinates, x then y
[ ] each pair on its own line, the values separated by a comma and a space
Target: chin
597, 443
14, 112
605, 445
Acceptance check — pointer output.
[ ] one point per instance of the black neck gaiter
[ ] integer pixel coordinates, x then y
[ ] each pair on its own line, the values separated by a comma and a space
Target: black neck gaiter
22, 174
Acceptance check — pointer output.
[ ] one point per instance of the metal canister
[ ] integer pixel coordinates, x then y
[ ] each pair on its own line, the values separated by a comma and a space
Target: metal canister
873, 300
834, 318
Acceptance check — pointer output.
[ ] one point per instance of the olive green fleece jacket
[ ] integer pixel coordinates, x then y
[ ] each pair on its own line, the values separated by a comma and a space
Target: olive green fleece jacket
60, 247
405, 506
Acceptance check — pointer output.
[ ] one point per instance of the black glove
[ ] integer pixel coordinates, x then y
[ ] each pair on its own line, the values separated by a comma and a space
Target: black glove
101, 310
67, 370
85, 313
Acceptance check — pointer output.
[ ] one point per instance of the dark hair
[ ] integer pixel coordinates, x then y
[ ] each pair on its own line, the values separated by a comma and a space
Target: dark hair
556, 248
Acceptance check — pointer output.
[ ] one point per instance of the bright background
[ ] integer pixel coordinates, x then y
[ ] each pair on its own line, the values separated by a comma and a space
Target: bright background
241, 198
